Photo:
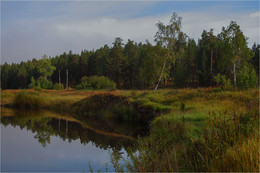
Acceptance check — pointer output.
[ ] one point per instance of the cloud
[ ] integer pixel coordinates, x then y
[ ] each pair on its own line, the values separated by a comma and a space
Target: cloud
194, 23
77, 30
109, 28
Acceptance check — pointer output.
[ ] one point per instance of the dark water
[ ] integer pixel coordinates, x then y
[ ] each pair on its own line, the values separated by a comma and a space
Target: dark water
44, 141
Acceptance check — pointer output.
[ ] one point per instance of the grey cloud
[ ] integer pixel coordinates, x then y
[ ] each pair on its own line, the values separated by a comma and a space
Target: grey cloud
194, 23
33, 38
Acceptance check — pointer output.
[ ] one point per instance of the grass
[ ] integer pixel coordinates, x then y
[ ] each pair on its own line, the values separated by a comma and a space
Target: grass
226, 143
224, 146
27, 100
229, 140
191, 129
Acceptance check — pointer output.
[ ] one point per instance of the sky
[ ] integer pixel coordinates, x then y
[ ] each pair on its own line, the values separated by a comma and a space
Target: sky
30, 29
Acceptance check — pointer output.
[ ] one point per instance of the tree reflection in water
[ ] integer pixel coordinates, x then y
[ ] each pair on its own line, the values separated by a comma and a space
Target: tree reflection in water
102, 133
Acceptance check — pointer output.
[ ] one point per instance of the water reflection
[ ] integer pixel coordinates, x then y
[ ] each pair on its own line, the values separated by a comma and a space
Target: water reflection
103, 133
64, 141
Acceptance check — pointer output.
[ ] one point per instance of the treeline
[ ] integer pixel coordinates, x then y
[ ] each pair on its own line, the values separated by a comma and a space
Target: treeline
174, 61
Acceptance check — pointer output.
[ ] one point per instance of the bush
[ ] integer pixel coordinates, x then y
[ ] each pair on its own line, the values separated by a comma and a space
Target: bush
40, 83
32, 84
27, 100
96, 82
44, 83
79, 87
223, 82
37, 88
246, 78
58, 86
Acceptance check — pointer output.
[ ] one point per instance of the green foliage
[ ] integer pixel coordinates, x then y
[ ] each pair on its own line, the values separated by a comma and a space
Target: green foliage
37, 88
108, 105
229, 142
125, 112
182, 107
79, 87
25, 99
44, 83
246, 78
58, 86
223, 82
229, 145
255, 60
167, 36
44, 67
173, 62
163, 151
96, 82
32, 84
115, 160
4, 75
232, 139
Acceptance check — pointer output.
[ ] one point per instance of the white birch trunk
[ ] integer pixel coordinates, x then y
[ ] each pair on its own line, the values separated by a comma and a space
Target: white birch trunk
160, 78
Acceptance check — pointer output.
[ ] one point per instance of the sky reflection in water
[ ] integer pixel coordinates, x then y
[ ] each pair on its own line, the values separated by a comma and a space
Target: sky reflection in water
20, 151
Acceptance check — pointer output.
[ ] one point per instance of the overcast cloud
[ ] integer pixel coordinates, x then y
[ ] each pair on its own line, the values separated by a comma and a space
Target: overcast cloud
77, 26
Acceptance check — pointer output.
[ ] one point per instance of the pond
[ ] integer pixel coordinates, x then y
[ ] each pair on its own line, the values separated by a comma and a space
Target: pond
43, 141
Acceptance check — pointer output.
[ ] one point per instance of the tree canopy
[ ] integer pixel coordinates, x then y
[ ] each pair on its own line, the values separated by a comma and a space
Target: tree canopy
176, 60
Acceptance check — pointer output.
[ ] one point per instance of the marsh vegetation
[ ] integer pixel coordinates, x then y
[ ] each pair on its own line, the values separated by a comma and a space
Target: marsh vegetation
189, 129
200, 101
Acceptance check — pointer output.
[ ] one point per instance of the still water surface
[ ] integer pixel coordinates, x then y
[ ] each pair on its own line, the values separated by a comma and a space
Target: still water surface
45, 141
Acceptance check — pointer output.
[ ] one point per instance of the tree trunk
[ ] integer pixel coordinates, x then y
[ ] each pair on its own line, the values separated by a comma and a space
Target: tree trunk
235, 75
67, 81
160, 78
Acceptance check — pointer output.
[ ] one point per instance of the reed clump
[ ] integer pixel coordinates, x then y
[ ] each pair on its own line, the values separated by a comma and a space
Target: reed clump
227, 143
28, 100
163, 151
230, 143
107, 105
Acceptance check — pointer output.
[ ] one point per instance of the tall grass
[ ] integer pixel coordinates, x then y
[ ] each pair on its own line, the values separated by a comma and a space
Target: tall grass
27, 100
228, 143
231, 144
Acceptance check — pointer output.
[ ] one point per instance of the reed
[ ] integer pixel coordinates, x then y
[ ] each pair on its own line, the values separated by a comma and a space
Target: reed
227, 143
28, 100
231, 144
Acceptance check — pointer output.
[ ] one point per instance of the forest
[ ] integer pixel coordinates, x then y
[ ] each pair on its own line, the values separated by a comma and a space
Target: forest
175, 61
204, 116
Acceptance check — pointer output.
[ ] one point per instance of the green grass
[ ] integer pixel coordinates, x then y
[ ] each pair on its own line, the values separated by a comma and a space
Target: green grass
224, 145
27, 100
189, 144
192, 130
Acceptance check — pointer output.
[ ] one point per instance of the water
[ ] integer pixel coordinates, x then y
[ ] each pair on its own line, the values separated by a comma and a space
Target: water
45, 141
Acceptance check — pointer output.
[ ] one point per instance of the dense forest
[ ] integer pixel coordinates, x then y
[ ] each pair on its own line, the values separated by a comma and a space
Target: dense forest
175, 61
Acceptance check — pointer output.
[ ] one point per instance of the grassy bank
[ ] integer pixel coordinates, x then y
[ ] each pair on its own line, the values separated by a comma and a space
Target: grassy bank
99, 104
191, 129
205, 130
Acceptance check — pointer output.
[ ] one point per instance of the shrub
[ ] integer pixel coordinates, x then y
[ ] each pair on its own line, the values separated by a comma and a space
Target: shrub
24, 99
58, 86
44, 83
37, 88
96, 82
79, 87
246, 78
223, 82
32, 84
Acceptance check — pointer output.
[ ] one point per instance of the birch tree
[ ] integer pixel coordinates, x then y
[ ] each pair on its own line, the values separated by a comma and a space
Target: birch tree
172, 38
238, 54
